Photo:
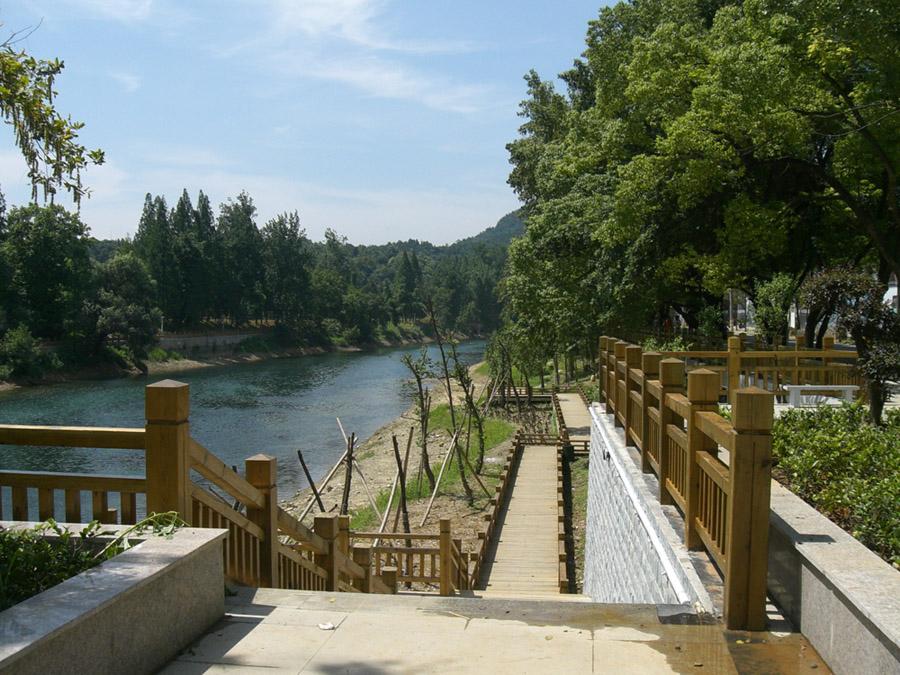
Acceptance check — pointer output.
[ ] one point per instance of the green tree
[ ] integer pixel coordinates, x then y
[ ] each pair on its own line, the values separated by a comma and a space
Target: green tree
287, 259
47, 247
242, 259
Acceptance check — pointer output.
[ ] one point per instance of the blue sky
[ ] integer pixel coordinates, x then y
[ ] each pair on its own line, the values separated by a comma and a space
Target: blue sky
383, 119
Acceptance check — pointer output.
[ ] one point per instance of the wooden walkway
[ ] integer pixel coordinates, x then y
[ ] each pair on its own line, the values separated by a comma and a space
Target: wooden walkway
525, 560
576, 416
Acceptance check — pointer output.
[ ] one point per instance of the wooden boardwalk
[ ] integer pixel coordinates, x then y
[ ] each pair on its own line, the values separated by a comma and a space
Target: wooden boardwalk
525, 560
576, 416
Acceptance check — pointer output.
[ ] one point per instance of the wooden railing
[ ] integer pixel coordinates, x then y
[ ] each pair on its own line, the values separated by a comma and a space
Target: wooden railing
681, 435
768, 369
266, 546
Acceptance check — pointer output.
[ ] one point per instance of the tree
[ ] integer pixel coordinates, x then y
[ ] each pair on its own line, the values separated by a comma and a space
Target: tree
872, 323
242, 264
155, 244
287, 260
420, 369
47, 140
47, 247
773, 302
127, 312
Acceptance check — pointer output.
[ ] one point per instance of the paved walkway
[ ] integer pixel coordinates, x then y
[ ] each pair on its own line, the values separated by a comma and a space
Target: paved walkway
524, 562
576, 416
272, 631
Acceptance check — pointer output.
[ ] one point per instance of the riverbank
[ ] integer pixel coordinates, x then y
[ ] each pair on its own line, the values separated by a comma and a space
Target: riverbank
111, 371
378, 463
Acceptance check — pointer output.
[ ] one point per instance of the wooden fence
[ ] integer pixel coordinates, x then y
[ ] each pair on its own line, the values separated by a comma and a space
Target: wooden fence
681, 435
266, 546
768, 369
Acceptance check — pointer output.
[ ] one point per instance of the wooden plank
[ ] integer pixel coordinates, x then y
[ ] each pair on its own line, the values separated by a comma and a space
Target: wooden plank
717, 428
299, 532
218, 506
72, 481
72, 437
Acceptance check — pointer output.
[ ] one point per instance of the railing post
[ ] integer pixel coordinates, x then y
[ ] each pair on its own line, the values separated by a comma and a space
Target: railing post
747, 538
446, 580
671, 380
827, 346
459, 574
734, 366
601, 369
167, 408
609, 380
618, 357
262, 473
362, 556
650, 366
703, 393
327, 528
632, 360
389, 577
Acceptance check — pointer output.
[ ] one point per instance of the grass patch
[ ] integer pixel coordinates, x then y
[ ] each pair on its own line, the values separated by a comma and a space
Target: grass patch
579, 474
159, 354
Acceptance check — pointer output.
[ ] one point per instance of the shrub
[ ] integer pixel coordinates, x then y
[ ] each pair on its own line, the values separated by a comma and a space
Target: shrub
674, 344
22, 355
847, 468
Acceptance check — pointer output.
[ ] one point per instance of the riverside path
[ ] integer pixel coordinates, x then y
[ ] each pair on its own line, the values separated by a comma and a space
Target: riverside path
576, 416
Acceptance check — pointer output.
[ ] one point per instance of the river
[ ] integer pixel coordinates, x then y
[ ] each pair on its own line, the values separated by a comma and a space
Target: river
274, 407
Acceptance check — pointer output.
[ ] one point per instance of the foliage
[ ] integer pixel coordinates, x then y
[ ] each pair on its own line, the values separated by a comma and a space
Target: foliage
847, 468
858, 301
673, 344
22, 356
47, 140
699, 147
772, 304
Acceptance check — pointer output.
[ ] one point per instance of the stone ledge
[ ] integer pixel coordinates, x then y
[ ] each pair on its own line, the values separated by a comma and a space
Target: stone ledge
129, 614
844, 598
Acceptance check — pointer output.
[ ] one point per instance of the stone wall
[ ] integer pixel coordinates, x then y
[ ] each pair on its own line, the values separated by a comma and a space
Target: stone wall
631, 553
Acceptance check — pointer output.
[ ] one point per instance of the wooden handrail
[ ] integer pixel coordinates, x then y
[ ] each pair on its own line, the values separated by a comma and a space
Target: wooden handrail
394, 535
72, 437
679, 404
717, 428
716, 470
210, 500
217, 472
72, 481
296, 530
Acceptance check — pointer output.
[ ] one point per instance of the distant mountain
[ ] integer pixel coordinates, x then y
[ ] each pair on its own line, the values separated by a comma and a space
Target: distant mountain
507, 228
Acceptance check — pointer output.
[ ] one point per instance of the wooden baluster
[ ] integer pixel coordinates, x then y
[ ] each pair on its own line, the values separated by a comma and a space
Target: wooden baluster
19, 503
601, 368
128, 501
734, 366
167, 406
828, 374
703, 394
261, 472
671, 379
632, 416
45, 503
650, 367
362, 556
619, 355
327, 528
73, 505
747, 538
446, 581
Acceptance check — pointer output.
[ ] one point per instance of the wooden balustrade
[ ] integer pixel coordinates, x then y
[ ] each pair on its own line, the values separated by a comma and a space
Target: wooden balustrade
680, 434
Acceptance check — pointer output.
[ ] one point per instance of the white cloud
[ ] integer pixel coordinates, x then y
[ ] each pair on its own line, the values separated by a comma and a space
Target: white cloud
343, 41
128, 81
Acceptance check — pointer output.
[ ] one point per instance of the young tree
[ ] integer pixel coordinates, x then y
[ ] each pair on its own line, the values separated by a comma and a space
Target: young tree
420, 369
461, 374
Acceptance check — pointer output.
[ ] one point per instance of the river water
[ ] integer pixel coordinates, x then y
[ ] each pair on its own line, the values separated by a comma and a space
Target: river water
237, 411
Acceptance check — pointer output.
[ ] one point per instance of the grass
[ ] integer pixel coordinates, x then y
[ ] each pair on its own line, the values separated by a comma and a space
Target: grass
496, 431
160, 354
579, 472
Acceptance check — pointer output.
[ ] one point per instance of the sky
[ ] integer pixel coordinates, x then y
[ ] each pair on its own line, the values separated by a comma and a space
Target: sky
384, 120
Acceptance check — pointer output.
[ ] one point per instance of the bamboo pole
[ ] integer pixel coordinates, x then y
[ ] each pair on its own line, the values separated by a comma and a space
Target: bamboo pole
387, 510
324, 484
312, 483
348, 475
437, 483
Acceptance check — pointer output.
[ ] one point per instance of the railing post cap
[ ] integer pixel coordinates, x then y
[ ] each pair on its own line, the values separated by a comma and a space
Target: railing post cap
753, 409
261, 470
703, 386
167, 401
671, 372
734, 343
633, 355
619, 349
326, 526
650, 362
445, 524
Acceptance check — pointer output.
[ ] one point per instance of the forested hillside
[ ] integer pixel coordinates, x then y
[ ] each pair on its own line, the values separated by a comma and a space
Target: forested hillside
189, 267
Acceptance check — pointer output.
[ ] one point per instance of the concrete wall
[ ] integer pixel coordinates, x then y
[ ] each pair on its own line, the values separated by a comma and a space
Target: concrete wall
205, 342
840, 595
631, 553
131, 614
